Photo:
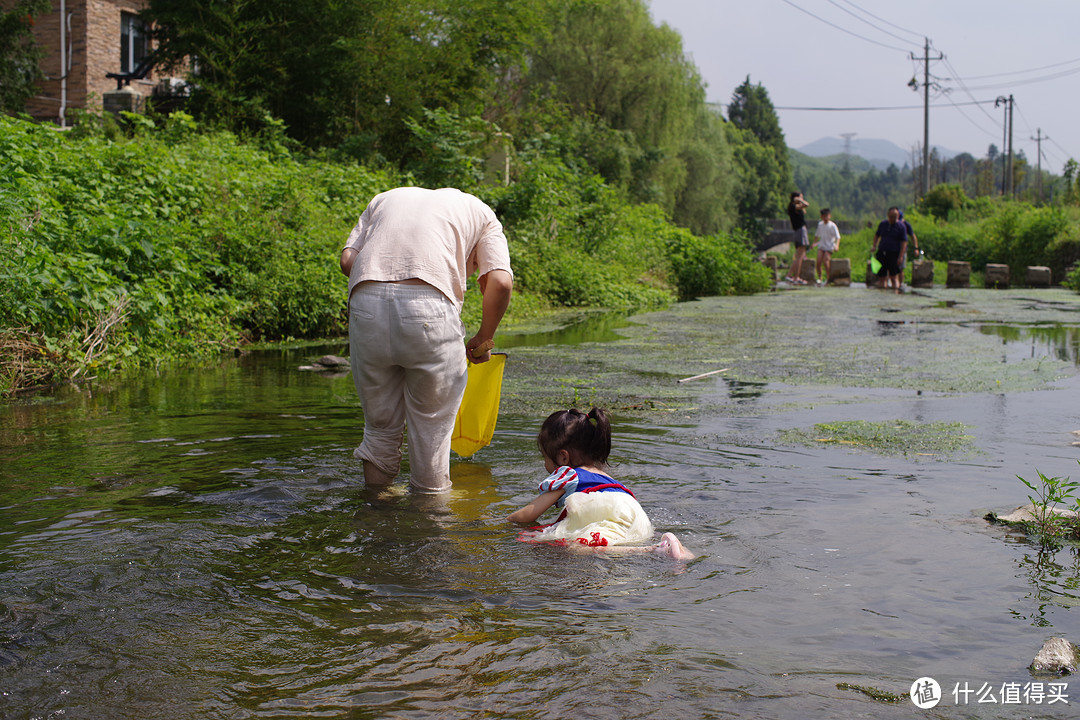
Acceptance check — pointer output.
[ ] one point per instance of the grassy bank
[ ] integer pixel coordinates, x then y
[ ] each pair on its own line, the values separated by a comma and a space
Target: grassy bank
127, 248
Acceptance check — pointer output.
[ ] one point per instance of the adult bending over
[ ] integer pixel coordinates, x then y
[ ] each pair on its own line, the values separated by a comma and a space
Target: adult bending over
408, 259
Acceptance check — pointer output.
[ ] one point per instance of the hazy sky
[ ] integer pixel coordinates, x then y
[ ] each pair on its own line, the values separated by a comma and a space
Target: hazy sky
857, 54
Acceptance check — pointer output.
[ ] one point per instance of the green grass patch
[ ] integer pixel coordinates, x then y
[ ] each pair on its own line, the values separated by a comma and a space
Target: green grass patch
890, 437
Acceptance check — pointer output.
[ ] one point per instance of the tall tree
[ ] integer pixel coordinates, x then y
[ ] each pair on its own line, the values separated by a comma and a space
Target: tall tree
19, 56
751, 109
648, 127
340, 70
761, 152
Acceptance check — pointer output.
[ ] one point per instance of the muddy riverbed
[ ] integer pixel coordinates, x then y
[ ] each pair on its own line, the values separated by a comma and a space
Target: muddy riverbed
197, 543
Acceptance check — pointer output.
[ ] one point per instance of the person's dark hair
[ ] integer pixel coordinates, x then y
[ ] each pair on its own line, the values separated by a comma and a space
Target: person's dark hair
586, 437
893, 208
825, 211
795, 195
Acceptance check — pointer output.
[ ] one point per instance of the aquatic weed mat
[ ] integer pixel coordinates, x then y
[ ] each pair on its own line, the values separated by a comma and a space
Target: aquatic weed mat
931, 341
939, 440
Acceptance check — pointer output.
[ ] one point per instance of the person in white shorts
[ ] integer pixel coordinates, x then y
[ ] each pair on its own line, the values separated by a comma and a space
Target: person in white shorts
828, 242
408, 259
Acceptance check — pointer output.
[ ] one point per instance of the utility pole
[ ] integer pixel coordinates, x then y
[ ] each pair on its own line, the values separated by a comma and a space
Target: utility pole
1006, 140
1039, 137
1012, 189
926, 111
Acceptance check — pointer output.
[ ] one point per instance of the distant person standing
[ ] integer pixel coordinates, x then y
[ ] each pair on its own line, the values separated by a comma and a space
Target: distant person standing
910, 234
796, 211
890, 244
828, 242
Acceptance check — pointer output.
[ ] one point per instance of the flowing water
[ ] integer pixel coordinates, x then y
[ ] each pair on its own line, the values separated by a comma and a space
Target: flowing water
197, 543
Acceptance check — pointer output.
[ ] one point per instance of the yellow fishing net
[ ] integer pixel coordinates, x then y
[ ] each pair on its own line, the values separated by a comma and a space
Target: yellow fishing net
475, 422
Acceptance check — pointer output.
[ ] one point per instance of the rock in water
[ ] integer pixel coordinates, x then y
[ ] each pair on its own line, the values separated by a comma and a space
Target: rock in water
1057, 657
332, 361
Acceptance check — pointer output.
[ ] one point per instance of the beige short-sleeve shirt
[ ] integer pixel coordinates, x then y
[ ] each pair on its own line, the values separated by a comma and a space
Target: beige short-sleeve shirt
439, 236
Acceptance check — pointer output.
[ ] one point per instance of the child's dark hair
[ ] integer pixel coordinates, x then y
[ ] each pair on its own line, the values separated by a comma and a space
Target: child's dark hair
586, 437
825, 211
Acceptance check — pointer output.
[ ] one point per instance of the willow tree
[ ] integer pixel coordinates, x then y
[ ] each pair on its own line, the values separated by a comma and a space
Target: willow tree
639, 107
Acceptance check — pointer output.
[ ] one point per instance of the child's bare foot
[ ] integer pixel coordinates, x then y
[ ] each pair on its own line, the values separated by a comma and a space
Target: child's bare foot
670, 545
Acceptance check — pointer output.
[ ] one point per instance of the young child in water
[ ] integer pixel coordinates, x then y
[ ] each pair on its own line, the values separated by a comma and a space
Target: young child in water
597, 510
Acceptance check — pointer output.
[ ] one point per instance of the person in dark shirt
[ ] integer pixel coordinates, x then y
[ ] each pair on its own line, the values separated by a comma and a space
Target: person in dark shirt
890, 244
796, 210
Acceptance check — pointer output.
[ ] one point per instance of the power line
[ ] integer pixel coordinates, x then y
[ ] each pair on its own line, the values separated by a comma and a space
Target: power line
980, 127
883, 107
1012, 104
890, 24
1029, 81
862, 20
1055, 142
1021, 72
964, 87
1023, 117
878, 43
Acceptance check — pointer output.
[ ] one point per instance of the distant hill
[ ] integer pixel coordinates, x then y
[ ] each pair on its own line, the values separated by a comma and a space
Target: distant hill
852, 187
879, 153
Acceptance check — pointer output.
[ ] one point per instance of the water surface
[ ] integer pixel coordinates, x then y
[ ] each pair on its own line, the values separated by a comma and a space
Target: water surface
198, 544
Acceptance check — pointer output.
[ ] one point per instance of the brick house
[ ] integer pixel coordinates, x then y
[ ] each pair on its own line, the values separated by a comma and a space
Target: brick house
98, 37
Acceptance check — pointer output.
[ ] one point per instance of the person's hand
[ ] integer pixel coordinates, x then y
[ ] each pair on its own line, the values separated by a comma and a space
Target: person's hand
479, 351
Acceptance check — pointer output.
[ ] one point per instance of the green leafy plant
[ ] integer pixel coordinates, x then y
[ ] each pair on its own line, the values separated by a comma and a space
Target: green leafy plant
1049, 493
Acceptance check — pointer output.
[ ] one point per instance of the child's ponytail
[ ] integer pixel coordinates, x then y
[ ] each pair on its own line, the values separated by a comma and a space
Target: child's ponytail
587, 438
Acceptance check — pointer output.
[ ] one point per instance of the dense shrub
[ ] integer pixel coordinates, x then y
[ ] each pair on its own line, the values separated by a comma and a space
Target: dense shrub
192, 240
943, 199
713, 266
1012, 233
128, 245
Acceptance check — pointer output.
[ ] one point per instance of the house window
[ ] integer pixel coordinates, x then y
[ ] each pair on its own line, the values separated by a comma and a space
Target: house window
133, 41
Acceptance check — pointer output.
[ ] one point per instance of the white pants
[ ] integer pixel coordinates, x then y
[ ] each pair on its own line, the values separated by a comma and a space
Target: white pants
407, 351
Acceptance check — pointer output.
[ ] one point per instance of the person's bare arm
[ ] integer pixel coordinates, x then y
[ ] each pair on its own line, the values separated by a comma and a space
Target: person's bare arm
348, 255
496, 286
536, 508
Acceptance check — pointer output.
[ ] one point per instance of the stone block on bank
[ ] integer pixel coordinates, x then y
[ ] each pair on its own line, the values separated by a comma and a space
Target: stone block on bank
123, 100
958, 274
769, 261
1038, 276
922, 273
996, 276
840, 272
806, 272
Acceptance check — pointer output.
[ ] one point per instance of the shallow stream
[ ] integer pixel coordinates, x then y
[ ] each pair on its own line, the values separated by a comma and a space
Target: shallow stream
196, 543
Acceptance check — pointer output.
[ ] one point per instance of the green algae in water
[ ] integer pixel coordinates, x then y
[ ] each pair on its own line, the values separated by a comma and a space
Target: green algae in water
881, 696
890, 437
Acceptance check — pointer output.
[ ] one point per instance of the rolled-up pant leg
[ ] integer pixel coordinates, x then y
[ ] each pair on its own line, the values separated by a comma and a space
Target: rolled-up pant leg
408, 362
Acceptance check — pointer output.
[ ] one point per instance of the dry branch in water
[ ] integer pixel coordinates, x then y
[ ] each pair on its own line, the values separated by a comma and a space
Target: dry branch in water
96, 338
25, 361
